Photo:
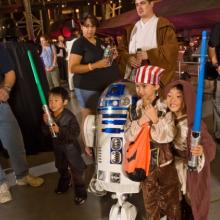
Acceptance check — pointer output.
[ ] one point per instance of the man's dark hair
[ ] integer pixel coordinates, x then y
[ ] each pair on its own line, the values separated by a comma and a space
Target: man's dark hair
60, 91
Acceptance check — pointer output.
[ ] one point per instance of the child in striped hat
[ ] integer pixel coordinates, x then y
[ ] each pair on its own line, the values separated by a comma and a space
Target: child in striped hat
161, 187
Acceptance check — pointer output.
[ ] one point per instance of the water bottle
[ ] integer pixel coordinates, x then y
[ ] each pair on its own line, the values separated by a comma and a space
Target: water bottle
108, 54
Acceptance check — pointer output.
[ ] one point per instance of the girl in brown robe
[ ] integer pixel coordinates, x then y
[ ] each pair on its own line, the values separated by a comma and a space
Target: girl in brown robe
195, 185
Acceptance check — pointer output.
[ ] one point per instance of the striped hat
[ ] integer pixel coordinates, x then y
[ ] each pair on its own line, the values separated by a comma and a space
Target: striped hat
148, 74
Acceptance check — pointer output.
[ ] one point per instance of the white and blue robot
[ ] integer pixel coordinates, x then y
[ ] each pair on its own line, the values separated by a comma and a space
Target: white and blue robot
105, 132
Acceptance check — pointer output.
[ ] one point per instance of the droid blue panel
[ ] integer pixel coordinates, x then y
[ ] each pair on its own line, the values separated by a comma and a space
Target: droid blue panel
116, 90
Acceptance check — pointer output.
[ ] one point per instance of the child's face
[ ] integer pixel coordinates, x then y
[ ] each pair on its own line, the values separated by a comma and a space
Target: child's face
56, 103
175, 101
146, 91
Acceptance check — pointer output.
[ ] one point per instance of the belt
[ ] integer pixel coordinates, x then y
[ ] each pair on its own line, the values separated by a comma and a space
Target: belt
154, 161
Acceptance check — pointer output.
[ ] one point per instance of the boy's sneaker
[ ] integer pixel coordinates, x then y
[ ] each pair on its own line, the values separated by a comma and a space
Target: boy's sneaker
80, 195
63, 185
5, 195
30, 180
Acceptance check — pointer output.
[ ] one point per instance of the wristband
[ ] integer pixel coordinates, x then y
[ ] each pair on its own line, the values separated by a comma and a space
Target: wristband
90, 66
7, 88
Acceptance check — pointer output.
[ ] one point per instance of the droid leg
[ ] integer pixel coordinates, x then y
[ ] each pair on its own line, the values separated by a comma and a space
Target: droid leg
122, 210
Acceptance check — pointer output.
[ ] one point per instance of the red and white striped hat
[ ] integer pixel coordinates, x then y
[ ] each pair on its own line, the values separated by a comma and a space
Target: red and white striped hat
148, 74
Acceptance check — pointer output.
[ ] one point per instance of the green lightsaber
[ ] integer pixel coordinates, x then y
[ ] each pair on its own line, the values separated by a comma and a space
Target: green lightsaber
41, 94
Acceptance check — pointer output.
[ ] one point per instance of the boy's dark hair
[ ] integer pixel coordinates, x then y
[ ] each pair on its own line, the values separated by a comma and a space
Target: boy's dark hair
60, 91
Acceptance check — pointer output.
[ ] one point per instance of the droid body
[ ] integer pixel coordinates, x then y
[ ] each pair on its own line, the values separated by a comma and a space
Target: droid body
110, 120
105, 132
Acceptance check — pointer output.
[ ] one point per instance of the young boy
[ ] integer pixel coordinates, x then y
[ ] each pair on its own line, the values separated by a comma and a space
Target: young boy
161, 187
66, 146
195, 186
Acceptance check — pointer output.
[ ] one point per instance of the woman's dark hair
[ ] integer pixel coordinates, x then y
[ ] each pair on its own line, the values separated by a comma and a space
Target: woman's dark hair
94, 21
60, 91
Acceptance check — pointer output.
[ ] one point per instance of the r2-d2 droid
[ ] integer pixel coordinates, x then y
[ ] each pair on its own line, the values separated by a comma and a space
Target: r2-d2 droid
105, 132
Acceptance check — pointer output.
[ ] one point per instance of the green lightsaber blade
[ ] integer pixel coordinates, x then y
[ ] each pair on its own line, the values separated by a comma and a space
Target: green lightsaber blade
41, 93
36, 77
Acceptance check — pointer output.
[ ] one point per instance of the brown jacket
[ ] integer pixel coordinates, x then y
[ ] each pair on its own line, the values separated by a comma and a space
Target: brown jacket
165, 55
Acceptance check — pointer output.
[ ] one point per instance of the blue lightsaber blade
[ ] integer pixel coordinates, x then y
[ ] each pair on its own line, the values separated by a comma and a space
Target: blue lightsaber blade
195, 135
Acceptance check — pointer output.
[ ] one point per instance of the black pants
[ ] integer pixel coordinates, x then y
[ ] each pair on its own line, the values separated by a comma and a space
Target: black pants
62, 67
68, 157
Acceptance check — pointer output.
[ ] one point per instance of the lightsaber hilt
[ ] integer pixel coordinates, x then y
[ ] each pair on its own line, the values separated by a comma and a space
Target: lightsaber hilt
193, 162
50, 121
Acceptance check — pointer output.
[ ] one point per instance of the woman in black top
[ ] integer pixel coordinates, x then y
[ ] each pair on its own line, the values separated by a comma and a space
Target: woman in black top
92, 73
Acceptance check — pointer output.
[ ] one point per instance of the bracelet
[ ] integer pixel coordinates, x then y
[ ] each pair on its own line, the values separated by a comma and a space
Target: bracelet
7, 88
90, 66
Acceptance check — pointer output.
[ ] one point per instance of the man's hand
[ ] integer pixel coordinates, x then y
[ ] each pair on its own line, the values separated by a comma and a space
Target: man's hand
143, 55
4, 95
134, 62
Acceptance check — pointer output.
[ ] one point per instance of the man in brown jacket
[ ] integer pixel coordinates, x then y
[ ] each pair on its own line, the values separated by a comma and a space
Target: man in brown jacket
153, 41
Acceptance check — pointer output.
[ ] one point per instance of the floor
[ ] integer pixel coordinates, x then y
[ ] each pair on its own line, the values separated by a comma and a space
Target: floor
42, 203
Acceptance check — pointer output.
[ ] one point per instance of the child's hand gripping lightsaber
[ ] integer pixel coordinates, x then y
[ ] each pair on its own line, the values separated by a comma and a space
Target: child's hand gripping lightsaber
41, 93
195, 135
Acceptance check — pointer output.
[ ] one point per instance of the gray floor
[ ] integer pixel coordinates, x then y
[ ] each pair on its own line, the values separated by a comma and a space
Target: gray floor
42, 203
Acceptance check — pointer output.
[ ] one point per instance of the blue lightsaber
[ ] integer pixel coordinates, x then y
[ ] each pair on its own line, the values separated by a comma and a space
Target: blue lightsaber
195, 135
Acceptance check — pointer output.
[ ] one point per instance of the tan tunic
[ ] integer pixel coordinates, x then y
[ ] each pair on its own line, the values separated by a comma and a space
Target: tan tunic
161, 133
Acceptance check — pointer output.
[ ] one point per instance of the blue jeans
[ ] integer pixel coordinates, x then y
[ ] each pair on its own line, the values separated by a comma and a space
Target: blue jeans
87, 98
12, 141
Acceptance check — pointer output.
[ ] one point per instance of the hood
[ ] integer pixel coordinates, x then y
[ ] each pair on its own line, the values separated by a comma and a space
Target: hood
189, 96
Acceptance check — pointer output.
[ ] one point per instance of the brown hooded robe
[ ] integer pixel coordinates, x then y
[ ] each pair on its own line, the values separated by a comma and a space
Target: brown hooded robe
198, 184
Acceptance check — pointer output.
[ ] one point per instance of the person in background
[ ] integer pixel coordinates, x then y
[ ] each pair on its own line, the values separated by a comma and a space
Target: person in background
10, 134
214, 54
92, 72
69, 43
152, 41
49, 58
67, 149
61, 57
